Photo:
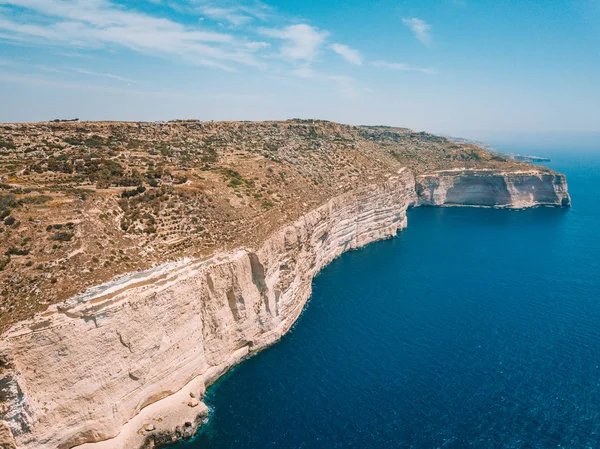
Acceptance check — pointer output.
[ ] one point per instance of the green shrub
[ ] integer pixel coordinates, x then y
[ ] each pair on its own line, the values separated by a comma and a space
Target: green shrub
8, 200
12, 251
63, 236
7, 144
95, 142
38, 199
72, 140
133, 192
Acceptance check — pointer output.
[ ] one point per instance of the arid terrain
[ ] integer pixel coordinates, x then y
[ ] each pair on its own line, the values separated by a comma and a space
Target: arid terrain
83, 202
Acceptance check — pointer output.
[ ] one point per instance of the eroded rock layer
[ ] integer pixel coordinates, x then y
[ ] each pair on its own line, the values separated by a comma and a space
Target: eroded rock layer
126, 364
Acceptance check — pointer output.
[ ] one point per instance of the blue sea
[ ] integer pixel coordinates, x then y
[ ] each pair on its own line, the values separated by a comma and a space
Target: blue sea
474, 328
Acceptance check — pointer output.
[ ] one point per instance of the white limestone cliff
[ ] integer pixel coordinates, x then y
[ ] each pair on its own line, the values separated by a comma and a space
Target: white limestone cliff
126, 364
490, 188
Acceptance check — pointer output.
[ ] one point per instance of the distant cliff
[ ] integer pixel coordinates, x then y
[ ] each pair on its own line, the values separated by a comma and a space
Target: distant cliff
127, 365
491, 188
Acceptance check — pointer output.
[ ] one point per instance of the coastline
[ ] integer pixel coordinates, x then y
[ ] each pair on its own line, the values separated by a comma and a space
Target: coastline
346, 222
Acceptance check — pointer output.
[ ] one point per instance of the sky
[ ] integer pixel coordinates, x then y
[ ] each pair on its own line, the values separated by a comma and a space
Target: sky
468, 68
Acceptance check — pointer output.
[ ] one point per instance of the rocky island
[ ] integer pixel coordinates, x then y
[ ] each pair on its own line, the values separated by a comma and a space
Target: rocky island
141, 261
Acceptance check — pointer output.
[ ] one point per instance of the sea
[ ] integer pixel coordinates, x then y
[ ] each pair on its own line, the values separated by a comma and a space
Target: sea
474, 328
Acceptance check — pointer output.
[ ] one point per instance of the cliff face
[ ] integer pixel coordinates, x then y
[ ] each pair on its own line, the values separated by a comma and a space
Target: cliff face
492, 188
83, 370
127, 363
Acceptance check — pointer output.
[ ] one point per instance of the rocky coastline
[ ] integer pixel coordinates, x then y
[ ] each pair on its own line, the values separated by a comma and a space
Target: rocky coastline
127, 365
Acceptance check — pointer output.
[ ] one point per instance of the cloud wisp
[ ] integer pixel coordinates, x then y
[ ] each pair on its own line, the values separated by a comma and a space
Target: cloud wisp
234, 13
97, 23
349, 54
302, 41
230, 35
104, 75
230, 15
420, 29
404, 67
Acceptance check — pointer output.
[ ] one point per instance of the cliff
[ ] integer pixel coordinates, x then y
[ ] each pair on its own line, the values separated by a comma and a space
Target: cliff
84, 202
515, 190
83, 371
127, 363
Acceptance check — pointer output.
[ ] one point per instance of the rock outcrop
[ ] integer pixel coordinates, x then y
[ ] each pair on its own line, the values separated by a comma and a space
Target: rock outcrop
126, 364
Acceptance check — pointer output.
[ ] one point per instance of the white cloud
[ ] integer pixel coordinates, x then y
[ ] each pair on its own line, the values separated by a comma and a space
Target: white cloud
349, 54
101, 23
303, 42
420, 29
404, 67
73, 27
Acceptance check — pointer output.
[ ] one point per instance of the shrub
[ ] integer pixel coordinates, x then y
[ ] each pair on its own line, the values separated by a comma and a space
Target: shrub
7, 201
6, 144
12, 251
133, 192
38, 199
63, 236
72, 140
95, 141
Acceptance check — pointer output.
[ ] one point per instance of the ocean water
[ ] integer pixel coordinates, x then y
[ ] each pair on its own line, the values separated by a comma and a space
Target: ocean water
474, 328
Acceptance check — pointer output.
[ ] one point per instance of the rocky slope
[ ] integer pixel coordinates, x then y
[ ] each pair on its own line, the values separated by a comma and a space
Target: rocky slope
125, 364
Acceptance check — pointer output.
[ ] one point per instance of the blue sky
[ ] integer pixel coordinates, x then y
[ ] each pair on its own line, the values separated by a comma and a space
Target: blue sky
461, 67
